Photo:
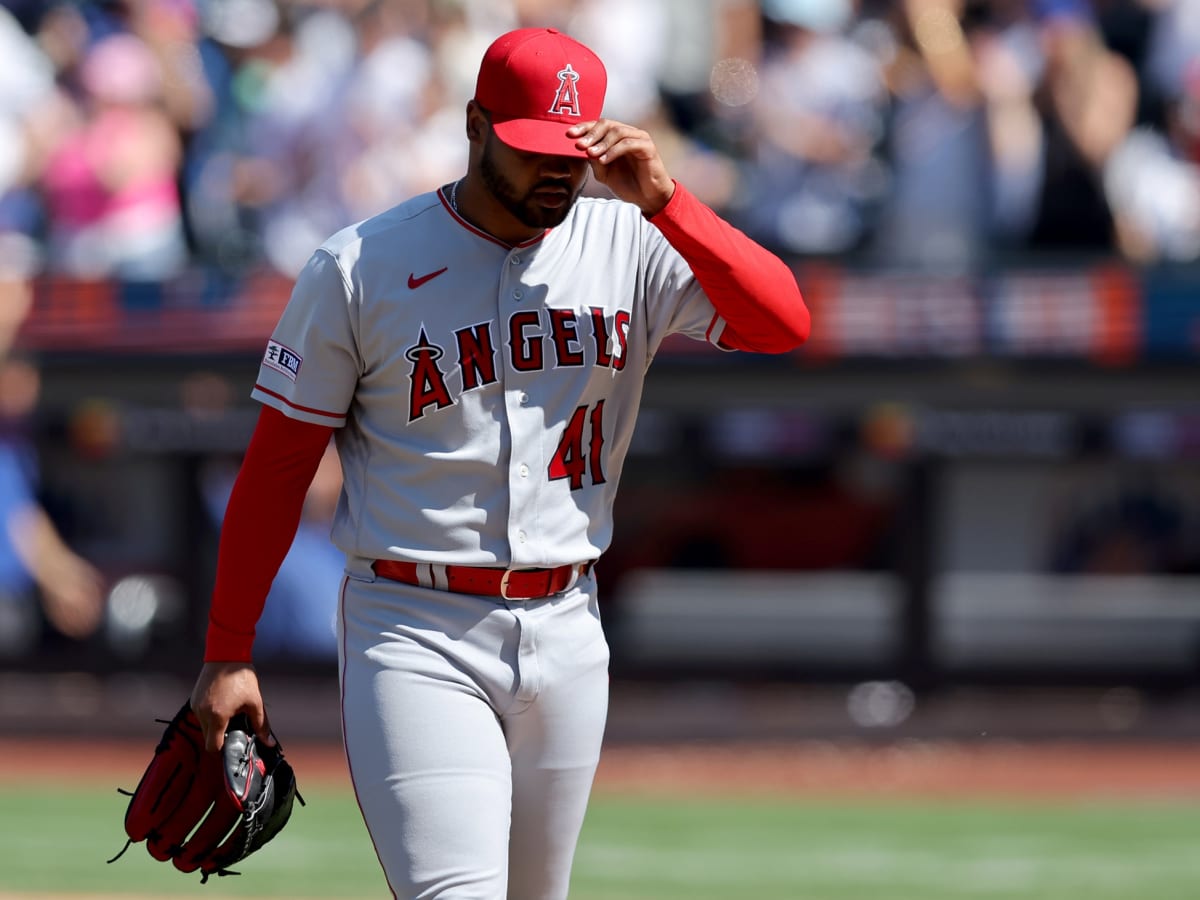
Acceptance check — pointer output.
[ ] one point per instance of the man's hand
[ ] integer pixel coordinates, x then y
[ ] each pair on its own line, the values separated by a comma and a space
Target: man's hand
72, 589
223, 690
625, 160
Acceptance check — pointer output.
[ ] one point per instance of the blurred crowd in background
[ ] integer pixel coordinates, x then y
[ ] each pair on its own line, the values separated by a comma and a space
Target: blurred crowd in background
140, 138
144, 141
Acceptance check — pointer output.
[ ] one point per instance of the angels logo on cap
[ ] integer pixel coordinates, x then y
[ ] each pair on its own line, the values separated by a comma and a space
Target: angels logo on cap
536, 83
566, 98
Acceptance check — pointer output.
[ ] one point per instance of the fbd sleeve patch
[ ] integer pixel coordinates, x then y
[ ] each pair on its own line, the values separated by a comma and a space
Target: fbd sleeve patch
283, 360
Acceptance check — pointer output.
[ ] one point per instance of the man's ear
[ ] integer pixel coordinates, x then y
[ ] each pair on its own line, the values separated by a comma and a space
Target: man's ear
476, 122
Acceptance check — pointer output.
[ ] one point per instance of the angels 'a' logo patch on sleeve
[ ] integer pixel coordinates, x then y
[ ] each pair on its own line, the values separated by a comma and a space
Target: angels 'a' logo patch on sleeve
282, 359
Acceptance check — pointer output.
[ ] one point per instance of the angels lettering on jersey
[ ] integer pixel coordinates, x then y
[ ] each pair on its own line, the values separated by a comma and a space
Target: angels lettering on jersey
532, 340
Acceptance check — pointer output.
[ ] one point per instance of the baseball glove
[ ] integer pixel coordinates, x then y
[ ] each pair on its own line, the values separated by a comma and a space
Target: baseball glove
207, 811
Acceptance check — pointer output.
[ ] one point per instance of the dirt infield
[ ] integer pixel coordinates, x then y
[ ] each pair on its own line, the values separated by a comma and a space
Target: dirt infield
911, 769
933, 769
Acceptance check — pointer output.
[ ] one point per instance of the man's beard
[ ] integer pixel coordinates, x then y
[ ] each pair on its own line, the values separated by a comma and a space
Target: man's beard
524, 209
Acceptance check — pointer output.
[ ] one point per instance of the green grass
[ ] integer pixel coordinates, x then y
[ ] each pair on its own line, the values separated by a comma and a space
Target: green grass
635, 850
658, 849
60, 843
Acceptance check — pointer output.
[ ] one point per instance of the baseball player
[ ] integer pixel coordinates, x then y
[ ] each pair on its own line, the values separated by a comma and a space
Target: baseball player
478, 354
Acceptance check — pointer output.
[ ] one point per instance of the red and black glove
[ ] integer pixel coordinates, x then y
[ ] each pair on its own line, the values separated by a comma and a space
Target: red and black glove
207, 810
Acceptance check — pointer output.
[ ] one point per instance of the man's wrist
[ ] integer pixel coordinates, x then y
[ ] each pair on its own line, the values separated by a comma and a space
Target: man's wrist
223, 645
653, 209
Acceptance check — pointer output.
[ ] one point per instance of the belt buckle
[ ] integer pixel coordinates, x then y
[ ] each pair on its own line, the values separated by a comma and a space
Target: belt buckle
504, 585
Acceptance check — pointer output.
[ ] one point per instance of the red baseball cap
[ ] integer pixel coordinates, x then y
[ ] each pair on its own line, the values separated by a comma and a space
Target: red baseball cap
537, 83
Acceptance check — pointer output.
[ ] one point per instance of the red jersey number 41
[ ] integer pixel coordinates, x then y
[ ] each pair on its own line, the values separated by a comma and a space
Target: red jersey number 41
579, 450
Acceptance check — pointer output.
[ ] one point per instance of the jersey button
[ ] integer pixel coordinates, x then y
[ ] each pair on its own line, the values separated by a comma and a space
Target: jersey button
521, 536
524, 397
524, 470
517, 294
514, 260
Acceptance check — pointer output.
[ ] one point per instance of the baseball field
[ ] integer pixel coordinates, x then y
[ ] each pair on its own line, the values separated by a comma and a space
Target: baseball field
806, 820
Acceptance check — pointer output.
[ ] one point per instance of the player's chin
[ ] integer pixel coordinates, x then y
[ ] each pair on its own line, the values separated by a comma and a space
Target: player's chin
546, 209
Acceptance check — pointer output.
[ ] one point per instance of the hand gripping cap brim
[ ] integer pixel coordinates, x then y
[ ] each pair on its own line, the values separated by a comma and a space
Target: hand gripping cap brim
537, 83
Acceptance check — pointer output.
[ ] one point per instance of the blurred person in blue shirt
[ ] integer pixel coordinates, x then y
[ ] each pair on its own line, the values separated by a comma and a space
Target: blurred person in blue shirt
300, 617
42, 581
818, 120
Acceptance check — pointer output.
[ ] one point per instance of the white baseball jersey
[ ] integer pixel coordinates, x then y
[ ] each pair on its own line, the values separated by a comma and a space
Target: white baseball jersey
485, 394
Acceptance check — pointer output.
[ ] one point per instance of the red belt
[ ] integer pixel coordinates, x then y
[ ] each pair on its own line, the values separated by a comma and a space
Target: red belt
511, 584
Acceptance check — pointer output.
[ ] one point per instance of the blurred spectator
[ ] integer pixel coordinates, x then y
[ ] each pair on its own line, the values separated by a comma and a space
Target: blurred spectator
707, 76
1153, 186
300, 617
400, 120
1126, 26
1087, 103
1152, 180
631, 36
818, 123
1008, 66
41, 578
635, 38
170, 30
289, 174
1172, 44
27, 92
109, 182
937, 211
221, 181
277, 144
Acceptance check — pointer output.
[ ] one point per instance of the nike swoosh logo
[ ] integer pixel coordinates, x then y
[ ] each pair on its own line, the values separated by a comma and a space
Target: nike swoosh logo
414, 282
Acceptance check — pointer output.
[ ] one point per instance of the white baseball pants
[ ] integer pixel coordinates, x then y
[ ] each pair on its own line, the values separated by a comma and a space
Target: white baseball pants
472, 728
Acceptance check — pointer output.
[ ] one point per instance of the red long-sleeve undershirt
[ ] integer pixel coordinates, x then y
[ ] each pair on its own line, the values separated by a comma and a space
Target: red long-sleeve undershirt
260, 524
752, 289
